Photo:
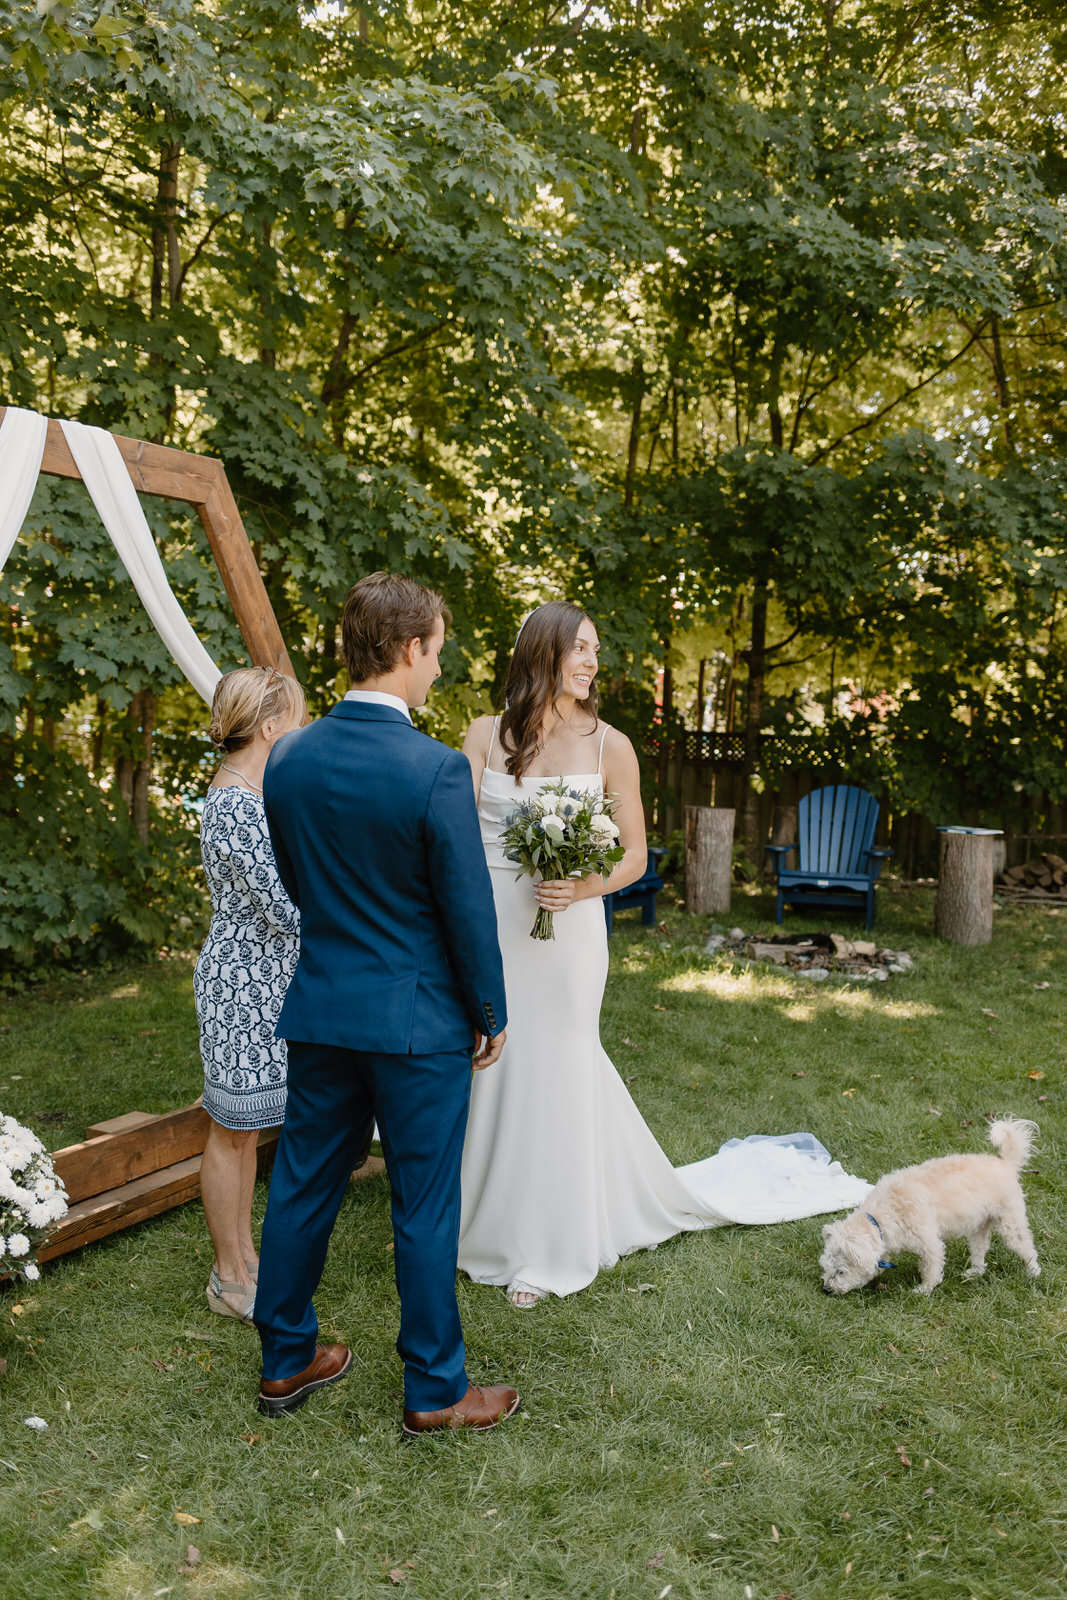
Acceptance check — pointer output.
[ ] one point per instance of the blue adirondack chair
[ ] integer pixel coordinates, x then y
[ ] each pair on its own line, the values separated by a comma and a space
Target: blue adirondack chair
837, 864
642, 893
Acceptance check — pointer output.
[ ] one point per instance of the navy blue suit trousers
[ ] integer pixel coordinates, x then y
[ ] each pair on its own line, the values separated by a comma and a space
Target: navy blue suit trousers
420, 1104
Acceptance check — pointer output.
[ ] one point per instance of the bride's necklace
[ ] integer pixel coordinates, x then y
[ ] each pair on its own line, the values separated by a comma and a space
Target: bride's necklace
254, 786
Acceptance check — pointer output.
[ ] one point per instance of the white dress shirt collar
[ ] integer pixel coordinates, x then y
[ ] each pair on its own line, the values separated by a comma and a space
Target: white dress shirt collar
375, 697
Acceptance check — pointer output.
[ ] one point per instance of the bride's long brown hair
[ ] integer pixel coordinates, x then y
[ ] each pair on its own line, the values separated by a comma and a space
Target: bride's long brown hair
535, 678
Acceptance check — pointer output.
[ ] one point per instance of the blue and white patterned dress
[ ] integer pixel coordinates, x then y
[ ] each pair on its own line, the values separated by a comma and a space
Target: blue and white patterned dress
245, 966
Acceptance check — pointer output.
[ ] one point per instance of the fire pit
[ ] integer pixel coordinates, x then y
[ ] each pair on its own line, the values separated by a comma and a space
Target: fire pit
813, 955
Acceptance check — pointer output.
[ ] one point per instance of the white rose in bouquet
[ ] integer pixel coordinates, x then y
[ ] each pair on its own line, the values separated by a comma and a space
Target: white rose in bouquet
604, 826
555, 828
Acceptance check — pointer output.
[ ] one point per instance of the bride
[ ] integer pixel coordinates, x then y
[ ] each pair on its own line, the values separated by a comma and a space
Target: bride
561, 1176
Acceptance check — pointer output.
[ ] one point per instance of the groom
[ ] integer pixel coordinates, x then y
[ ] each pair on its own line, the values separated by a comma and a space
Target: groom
376, 838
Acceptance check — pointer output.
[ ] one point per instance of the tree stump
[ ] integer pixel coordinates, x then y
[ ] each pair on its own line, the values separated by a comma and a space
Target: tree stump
709, 838
963, 905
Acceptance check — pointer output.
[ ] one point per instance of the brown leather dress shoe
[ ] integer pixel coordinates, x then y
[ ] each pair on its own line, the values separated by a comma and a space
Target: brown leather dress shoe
279, 1395
479, 1409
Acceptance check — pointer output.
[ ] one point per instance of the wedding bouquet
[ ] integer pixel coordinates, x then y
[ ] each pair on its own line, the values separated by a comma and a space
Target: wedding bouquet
32, 1198
561, 833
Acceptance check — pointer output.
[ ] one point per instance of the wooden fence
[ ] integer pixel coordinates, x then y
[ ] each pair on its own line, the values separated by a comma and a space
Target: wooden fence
700, 769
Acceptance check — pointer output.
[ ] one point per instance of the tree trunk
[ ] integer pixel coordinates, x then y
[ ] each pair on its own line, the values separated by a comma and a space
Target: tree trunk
963, 906
133, 773
709, 837
757, 671
783, 831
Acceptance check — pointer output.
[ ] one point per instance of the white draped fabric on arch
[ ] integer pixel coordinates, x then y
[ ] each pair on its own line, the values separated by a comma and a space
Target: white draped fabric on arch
104, 473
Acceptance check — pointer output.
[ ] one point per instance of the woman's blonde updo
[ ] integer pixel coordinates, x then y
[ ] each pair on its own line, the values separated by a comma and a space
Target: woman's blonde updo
244, 700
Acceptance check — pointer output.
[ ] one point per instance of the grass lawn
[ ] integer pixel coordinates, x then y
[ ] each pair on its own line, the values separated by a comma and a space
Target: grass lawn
701, 1422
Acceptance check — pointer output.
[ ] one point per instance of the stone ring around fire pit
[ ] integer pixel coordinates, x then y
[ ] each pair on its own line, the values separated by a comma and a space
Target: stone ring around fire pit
814, 955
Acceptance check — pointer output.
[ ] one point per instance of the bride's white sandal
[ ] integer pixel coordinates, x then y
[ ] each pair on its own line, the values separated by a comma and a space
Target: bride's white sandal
523, 1298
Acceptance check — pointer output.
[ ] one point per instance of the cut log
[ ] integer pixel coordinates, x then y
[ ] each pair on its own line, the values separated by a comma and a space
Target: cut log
766, 952
709, 839
963, 905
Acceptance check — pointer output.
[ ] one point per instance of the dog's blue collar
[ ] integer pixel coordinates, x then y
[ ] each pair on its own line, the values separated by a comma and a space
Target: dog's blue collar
878, 1225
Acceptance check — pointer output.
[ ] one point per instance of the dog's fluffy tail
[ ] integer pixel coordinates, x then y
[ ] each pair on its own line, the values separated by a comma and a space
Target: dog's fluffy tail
1013, 1138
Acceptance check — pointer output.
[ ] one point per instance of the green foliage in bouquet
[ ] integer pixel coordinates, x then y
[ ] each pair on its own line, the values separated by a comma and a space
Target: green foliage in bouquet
561, 833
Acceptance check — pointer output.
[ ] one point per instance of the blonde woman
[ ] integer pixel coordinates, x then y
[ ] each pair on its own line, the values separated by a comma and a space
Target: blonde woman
243, 970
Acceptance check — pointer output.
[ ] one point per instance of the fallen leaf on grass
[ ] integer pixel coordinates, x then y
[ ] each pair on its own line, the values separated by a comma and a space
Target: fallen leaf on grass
848, 1568
987, 1013
659, 1008
848, 1092
192, 1556
251, 1438
904, 1459
398, 1575
642, 1288
775, 1535
999, 1532
1040, 985
657, 1560
926, 1494
1035, 1075
340, 1536
186, 1519
630, 1043
798, 1074
665, 1591
894, 1349
92, 1519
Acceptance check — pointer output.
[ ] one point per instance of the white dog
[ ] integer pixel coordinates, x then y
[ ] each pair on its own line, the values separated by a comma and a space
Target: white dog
918, 1208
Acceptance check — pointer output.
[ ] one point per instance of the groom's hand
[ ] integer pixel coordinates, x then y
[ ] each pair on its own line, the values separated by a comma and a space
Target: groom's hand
487, 1050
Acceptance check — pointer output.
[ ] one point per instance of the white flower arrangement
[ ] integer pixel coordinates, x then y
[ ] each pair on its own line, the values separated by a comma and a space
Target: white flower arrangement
561, 833
32, 1198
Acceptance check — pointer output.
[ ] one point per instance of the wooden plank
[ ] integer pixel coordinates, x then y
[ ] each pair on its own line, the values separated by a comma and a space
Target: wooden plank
104, 1163
155, 468
131, 1119
242, 579
101, 1215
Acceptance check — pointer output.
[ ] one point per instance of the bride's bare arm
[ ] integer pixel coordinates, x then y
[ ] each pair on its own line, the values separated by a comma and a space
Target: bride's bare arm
622, 778
476, 749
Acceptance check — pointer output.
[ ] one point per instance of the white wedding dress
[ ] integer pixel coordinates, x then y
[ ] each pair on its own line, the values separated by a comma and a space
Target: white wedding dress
561, 1176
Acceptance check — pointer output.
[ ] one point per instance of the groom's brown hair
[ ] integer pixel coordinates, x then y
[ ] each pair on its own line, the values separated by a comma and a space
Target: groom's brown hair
381, 613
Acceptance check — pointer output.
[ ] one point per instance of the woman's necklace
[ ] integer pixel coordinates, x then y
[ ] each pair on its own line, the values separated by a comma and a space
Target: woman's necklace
224, 768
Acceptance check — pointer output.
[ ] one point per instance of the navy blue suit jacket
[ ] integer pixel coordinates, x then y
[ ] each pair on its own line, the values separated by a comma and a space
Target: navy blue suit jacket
375, 832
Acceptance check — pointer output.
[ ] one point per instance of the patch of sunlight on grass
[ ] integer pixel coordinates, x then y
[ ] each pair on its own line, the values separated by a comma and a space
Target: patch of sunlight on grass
910, 1008
127, 1579
127, 991
799, 1012
747, 986
870, 999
